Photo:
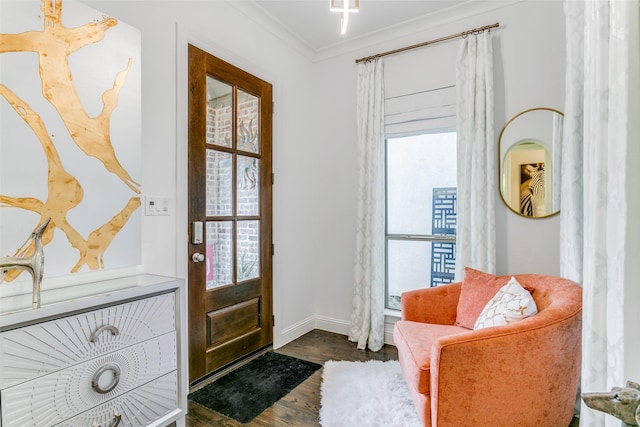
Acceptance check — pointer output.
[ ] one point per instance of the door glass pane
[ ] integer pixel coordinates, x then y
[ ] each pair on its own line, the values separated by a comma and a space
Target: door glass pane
248, 122
219, 183
219, 253
248, 250
417, 168
219, 113
248, 186
408, 267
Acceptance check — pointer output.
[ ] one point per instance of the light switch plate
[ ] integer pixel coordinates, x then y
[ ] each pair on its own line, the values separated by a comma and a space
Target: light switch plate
156, 205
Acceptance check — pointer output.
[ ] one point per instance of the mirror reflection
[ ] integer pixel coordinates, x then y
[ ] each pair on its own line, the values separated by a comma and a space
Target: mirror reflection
529, 155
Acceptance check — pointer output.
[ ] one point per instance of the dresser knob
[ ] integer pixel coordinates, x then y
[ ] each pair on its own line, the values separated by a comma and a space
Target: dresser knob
101, 329
95, 381
116, 420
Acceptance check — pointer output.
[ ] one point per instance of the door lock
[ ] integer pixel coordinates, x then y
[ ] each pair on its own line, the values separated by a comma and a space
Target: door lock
196, 232
197, 257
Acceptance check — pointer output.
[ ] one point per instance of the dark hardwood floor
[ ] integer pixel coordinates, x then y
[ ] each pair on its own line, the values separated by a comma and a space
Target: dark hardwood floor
301, 406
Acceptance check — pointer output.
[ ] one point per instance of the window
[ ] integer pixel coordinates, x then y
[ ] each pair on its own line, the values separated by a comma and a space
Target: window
421, 212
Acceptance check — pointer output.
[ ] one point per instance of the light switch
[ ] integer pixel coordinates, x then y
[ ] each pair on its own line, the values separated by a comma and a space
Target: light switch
156, 205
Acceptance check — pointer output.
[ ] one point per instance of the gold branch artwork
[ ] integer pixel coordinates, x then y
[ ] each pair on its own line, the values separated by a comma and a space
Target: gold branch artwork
53, 45
90, 134
98, 241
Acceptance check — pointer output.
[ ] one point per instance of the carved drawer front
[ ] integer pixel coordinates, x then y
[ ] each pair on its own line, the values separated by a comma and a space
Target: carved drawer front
58, 396
36, 350
139, 407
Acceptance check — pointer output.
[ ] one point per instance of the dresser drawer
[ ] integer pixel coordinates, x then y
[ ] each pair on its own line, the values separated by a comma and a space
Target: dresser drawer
58, 396
139, 407
36, 350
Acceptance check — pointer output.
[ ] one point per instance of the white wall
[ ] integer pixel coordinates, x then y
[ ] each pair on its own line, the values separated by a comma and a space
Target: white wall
533, 58
529, 72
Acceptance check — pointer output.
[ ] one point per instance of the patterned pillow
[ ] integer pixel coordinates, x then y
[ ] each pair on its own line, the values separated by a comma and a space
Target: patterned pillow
510, 304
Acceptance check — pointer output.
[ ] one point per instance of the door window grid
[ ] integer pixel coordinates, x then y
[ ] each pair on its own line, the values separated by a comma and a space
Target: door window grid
233, 214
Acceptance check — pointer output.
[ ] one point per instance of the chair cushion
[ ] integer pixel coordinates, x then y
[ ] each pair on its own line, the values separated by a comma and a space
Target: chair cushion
414, 341
476, 291
510, 304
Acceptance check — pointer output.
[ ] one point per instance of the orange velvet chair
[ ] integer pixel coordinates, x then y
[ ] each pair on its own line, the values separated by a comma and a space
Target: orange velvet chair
521, 374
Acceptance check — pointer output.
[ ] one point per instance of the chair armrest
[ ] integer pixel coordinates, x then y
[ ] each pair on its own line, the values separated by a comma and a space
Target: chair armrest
432, 305
532, 367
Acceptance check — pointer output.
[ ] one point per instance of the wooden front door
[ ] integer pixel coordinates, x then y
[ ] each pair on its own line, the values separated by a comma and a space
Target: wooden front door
230, 236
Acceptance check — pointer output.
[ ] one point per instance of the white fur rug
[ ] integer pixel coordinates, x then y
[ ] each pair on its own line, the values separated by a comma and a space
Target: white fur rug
365, 394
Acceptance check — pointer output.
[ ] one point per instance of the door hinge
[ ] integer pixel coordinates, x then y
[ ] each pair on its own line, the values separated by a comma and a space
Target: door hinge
273, 107
273, 320
273, 249
273, 178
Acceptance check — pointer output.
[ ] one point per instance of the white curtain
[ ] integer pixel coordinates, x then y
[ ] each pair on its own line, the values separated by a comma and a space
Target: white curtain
477, 157
601, 189
367, 318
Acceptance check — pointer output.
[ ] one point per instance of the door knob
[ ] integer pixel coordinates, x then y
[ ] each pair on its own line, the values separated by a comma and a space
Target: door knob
197, 257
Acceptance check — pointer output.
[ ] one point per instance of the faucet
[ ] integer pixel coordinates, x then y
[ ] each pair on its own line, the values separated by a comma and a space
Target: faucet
33, 263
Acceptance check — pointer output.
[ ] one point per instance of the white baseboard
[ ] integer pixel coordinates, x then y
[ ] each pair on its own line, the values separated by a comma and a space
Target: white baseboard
295, 331
388, 333
337, 326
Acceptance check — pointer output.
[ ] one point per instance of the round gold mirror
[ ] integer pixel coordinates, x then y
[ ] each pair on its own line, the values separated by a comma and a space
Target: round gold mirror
528, 163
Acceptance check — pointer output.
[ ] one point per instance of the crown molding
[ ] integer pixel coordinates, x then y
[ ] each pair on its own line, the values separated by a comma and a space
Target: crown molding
370, 41
274, 26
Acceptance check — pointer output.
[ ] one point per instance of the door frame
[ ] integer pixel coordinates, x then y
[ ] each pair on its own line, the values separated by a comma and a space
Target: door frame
186, 36
207, 361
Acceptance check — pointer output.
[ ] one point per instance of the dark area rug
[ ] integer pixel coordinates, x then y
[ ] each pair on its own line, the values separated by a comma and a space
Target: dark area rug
244, 393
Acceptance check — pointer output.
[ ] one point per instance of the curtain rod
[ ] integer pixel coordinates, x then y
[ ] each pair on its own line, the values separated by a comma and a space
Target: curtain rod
441, 39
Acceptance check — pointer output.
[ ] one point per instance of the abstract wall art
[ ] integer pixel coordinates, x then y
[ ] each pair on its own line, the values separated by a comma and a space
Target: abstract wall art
70, 135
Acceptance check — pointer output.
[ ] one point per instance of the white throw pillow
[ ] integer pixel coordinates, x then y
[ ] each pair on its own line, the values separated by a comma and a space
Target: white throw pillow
510, 304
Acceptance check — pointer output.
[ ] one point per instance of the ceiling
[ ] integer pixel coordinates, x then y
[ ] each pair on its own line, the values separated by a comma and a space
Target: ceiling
311, 21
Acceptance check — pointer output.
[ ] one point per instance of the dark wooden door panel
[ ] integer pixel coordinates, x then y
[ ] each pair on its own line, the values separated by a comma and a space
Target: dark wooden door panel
230, 224
232, 322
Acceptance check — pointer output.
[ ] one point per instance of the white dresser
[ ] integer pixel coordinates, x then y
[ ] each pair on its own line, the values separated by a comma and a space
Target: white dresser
109, 353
